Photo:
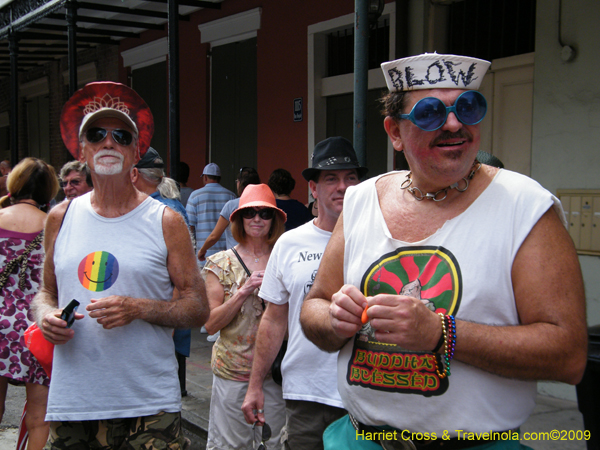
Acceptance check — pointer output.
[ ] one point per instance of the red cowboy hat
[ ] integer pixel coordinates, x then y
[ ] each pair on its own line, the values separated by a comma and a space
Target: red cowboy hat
105, 99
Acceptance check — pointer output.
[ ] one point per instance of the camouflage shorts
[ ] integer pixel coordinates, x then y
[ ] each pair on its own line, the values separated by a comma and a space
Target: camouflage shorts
159, 432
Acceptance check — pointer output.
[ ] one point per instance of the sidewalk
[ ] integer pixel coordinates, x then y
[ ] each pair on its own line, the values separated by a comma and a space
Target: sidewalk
549, 414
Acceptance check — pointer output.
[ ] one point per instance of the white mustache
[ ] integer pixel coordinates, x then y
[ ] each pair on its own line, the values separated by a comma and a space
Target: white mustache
102, 153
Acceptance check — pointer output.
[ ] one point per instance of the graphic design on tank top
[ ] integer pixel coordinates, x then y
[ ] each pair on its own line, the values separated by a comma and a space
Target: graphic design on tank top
430, 274
98, 271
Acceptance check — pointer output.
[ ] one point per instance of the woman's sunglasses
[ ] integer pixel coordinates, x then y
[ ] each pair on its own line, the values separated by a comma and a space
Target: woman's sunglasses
263, 213
121, 137
430, 113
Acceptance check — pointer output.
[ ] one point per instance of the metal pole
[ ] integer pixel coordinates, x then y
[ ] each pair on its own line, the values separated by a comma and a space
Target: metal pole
361, 74
13, 46
173, 88
72, 44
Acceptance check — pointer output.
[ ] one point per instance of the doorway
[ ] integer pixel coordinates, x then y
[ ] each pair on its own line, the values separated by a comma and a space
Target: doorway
233, 123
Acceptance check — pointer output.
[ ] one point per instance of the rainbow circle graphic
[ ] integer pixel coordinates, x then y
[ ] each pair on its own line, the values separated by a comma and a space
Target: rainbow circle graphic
98, 271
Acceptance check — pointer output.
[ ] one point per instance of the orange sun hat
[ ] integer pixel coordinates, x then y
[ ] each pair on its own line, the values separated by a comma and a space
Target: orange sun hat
258, 196
105, 99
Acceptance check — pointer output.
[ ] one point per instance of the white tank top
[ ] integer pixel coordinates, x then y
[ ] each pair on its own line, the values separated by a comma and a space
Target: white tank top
128, 371
463, 269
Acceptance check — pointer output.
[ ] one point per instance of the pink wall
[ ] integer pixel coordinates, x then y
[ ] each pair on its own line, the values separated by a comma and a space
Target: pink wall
282, 77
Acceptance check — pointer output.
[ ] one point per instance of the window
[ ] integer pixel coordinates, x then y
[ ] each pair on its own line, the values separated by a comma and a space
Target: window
491, 29
340, 48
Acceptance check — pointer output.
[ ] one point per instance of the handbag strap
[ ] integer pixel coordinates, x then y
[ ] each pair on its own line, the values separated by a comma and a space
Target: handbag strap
240, 260
20, 261
246, 269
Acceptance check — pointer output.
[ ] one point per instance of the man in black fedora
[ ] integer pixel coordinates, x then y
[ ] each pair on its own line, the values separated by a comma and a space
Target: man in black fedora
309, 374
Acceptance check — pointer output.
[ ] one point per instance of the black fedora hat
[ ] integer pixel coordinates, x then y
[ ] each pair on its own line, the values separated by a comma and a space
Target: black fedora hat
334, 153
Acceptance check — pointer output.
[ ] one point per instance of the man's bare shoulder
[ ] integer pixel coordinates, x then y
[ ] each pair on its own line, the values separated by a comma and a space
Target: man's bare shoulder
390, 183
175, 230
172, 220
56, 215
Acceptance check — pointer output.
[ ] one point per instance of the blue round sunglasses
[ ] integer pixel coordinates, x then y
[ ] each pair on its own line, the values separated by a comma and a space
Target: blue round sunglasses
430, 113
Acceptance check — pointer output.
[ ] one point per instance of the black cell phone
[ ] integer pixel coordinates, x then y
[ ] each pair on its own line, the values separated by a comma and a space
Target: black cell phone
68, 314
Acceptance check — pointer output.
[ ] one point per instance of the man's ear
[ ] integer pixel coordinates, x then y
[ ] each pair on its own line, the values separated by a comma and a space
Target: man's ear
392, 128
134, 174
81, 156
313, 189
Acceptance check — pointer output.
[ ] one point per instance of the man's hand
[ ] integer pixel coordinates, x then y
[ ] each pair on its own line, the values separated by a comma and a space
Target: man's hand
346, 309
404, 321
396, 319
55, 329
253, 406
114, 311
201, 255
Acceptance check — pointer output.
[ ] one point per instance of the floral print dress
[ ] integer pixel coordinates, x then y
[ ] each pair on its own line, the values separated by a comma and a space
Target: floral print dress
20, 279
233, 351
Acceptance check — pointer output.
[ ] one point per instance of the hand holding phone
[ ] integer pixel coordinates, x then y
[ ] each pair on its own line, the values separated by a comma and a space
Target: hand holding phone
68, 314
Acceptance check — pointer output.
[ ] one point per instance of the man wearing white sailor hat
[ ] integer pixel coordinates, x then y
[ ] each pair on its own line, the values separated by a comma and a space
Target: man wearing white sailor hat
449, 263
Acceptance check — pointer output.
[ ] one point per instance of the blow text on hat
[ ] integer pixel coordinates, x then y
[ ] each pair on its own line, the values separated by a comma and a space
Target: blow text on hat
434, 71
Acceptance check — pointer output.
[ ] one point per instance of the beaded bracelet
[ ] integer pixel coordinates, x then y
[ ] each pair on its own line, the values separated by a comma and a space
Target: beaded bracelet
449, 335
443, 374
439, 342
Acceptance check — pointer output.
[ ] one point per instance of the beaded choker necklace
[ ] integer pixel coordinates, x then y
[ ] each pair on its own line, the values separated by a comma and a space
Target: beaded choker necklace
442, 193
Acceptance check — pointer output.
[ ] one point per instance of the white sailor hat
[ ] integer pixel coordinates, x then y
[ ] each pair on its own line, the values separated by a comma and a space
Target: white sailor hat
434, 71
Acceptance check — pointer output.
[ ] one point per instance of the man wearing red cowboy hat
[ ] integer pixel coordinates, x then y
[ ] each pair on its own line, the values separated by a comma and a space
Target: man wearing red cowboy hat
119, 253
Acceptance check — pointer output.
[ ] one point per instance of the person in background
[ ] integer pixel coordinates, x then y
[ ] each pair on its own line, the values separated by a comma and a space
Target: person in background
282, 184
232, 281
449, 288
5, 169
75, 179
32, 184
148, 176
312, 400
184, 174
114, 372
205, 204
246, 176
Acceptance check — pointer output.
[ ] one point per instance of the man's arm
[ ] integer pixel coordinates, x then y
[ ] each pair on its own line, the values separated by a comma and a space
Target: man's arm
551, 342
269, 338
188, 311
45, 304
329, 317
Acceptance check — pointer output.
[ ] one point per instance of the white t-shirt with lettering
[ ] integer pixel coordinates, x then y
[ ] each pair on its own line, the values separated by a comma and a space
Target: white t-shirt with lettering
309, 373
